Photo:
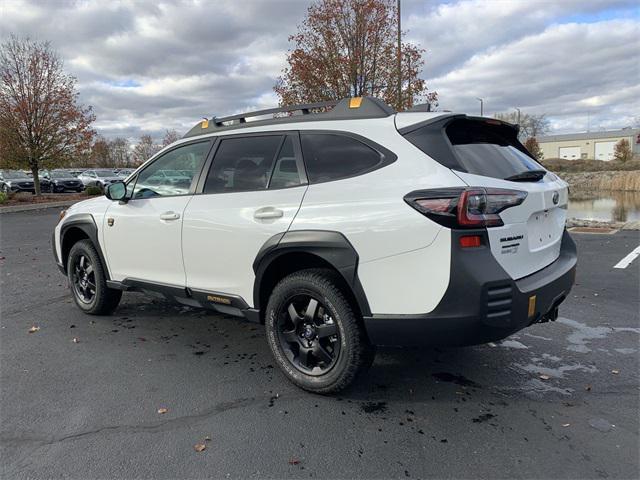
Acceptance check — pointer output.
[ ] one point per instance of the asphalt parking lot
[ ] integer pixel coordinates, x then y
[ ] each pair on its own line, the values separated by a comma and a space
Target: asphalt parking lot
557, 400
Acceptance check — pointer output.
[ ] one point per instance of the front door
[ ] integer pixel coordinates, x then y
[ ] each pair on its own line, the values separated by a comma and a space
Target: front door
143, 237
253, 191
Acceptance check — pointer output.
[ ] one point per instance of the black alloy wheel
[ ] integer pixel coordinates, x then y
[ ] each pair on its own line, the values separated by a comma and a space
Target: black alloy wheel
84, 279
308, 335
314, 332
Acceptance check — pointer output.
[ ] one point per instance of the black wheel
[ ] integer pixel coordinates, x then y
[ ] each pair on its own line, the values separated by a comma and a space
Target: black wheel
314, 334
6, 189
87, 281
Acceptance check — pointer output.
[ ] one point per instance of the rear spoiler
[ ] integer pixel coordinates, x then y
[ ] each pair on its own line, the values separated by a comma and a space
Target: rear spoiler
446, 119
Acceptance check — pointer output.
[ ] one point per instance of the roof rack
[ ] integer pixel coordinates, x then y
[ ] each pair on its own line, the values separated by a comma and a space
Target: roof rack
345, 109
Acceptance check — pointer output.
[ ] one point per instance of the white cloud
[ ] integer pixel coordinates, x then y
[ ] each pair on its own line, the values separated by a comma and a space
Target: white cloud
147, 66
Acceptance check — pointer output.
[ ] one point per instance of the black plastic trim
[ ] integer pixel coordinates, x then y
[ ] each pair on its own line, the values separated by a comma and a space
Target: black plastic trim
332, 247
482, 303
222, 302
86, 223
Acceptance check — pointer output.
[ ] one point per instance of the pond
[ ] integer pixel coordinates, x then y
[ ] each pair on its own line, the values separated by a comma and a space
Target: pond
604, 205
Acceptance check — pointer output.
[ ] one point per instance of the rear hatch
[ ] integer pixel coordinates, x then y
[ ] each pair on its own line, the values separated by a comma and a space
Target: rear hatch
487, 153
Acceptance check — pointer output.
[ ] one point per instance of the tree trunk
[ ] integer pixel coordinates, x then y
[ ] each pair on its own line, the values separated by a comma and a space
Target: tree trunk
36, 179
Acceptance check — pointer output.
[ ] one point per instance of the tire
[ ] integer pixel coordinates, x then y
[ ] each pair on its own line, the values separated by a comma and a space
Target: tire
95, 298
338, 357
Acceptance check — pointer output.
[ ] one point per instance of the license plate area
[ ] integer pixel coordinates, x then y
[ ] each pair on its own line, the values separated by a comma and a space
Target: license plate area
545, 228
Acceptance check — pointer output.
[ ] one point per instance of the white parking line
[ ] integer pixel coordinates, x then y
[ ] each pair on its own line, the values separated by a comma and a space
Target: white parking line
624, 263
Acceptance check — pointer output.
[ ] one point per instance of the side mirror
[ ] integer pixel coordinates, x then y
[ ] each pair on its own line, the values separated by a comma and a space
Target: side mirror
116, 191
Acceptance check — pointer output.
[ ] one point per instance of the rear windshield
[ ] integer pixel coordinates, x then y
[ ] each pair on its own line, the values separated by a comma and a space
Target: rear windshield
479, 147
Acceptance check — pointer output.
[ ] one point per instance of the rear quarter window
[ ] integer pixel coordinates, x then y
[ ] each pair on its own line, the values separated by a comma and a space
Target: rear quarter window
329, 156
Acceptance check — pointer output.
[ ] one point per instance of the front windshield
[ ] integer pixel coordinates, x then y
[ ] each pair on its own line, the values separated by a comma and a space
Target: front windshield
14, 174
105, 173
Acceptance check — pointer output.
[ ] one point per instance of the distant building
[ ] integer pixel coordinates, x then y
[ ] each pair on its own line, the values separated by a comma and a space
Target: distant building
591, 145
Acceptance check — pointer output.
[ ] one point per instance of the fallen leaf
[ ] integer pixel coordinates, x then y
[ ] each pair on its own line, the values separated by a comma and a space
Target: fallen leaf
34, 329
294, 461
615, 372
566, 424
162, 410
75, 340
199, 447
544, 377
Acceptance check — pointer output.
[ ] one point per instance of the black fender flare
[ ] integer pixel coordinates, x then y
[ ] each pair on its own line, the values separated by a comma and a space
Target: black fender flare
330, 246
86, 223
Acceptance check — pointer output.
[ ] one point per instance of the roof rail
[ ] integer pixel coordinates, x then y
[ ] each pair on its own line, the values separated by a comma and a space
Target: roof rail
345, 109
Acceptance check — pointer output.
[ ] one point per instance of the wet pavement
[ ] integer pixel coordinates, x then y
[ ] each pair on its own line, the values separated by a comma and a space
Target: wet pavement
557, 400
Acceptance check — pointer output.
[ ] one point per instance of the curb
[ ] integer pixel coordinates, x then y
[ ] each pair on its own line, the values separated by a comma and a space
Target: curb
37, 206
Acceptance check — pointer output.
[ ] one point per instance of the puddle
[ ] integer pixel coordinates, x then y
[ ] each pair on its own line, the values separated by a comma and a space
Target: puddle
601, 424
513, 344
536, 388
583, 334
626, 351
559, 371
538, 337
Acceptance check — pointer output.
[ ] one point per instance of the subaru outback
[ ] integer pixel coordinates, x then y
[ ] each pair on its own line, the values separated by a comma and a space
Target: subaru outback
340, 226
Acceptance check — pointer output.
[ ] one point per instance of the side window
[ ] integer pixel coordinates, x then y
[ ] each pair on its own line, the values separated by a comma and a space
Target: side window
173, 173
242, 164
285, 171
331, 157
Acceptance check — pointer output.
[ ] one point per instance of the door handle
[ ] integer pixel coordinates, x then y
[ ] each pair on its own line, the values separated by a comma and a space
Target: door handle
169, 216
267, 213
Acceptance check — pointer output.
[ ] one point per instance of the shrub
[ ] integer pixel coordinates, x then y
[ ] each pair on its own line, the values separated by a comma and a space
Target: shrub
3, 197
93, 190
532, 146
622, 151
575, 166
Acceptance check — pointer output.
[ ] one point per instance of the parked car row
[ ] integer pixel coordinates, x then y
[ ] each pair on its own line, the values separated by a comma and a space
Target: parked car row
61, 180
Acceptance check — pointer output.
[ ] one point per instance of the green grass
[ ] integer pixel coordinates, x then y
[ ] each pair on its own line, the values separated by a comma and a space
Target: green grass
3, 197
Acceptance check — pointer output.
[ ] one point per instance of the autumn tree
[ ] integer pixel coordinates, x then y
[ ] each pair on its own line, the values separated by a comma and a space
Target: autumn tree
42, 124
170, 136
145, 149
348, 48
119, 152
622, 151
533, 147
530, 125
100, 155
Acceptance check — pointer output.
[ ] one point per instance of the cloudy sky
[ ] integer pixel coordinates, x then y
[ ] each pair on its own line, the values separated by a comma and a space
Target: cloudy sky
147, 66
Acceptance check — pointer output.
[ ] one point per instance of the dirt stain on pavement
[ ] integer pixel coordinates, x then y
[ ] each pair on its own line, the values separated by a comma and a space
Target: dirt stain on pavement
457, 379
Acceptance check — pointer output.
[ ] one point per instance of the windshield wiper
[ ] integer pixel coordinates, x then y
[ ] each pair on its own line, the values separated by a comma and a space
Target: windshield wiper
528, 176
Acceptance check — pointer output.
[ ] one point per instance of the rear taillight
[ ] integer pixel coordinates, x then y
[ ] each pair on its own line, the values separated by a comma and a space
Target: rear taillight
472, 207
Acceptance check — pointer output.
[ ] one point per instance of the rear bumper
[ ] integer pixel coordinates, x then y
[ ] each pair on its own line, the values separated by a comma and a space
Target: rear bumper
482, 303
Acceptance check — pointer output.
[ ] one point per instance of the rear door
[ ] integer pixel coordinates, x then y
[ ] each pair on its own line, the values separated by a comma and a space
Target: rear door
487, 153
253, 190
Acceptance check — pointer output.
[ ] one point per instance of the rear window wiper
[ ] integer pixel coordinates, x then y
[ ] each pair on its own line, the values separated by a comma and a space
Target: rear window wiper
528, 176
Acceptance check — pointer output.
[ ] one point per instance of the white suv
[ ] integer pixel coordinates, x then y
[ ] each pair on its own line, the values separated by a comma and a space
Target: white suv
340, 230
